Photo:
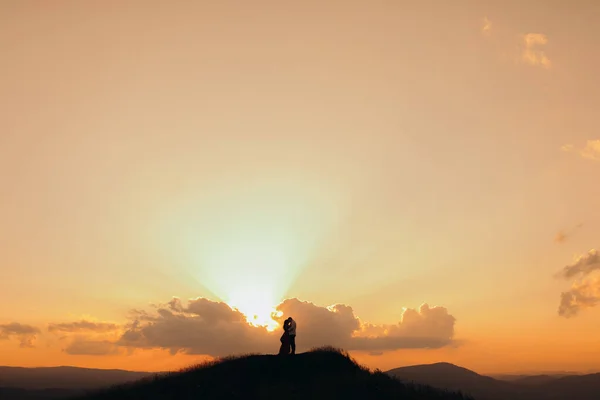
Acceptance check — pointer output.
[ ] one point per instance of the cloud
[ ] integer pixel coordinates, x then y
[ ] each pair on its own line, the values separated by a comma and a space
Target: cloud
591, 150
201, 327
560, 237
531, 54
213, 328
486, 29
83, 326
567, 147
26, 334
582, 295
82, 346
582, 265
563, 235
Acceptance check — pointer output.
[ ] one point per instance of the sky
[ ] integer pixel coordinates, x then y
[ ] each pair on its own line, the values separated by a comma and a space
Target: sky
411, 181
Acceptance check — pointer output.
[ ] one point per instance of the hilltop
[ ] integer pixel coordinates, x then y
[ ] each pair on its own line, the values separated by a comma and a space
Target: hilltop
319, 374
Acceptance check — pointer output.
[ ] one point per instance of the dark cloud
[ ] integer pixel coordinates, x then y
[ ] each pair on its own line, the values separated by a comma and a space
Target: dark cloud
582, 295
203, 327
26, 334
206, 327
83, 326
583, 265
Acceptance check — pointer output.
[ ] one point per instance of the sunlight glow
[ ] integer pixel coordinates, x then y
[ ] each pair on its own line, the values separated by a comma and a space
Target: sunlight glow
246, 246
256, 280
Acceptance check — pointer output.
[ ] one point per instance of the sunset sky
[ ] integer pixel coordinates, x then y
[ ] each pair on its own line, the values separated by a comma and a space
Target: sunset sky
414, 181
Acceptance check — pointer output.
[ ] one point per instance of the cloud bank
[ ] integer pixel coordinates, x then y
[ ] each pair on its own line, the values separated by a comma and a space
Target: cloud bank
204, 327
213, 328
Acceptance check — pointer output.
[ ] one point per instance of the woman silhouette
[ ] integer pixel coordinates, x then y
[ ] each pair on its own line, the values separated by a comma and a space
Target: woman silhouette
285, 339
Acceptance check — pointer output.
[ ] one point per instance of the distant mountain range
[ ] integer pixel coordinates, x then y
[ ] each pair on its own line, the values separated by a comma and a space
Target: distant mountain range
59, 382
534, 387
62, 382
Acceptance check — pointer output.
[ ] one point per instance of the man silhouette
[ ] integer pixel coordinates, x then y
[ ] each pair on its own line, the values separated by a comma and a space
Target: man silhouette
292, 333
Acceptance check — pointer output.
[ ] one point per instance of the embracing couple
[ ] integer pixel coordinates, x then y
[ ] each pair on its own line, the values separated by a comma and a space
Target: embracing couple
288, 339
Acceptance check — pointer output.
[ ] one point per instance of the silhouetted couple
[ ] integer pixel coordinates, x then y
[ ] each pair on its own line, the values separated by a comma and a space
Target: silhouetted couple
288, 339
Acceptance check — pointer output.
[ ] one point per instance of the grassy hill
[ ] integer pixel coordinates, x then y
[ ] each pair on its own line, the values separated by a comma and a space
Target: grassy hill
319, 374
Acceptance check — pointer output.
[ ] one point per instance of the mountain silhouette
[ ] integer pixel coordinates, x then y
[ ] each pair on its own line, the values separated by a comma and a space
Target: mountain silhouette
452, 377
535, 380
537, 387
65, 377
319, 374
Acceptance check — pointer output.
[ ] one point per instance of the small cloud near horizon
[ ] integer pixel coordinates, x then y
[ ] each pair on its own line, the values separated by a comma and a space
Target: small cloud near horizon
83, 326
26, 334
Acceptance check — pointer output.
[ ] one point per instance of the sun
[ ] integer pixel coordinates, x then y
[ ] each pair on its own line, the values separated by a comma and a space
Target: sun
251, 276
257, 306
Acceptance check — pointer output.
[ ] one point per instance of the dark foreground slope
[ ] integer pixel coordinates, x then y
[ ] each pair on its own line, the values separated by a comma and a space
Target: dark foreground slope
320, 374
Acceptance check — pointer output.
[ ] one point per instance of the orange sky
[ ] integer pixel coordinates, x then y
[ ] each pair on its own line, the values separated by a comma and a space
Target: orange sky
374, 154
